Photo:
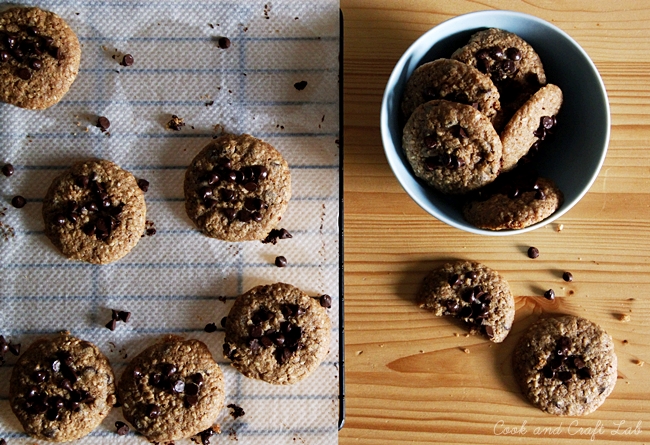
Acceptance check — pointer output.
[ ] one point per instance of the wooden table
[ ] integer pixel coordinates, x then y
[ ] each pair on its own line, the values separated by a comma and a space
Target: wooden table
408, 378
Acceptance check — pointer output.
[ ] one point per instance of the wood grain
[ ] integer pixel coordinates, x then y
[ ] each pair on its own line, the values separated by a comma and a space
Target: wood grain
413, 378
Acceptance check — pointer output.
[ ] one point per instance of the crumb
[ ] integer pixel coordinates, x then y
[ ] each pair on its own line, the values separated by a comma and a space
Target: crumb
559, 228
359, 352
222, 299
456, 334
209, 103
150, 228
625, 342
176, 123
211, 25
300, 85
381, 345
466, 335
639, 362
236, 411
232, 434
6, 231
421, 351
466, 351
624, 318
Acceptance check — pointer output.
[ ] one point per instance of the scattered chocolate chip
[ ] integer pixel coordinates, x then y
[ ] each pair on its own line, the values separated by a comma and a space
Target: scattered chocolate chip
300, 85
489, 331
122, 428
127, 60
103, 123
567, 276
223, 322
175, 123
236, 411
224, 42
210, 327
7, 170
546, 122
533, 252
112, 324
280, 261
124, 316
549, 294
152, 411
18, 202
144, 185
14, 348
325, 301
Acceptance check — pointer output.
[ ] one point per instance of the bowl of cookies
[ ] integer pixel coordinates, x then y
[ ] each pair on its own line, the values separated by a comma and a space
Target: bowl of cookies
495, 122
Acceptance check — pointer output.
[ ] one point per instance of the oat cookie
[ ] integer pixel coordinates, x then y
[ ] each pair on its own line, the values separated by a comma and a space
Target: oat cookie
565, 365
237, 188
454, 81
61, 388
530, 125
472, 292
39, 57
172, 390
515, 204
452, 147
94, 212
513, 65
277, 333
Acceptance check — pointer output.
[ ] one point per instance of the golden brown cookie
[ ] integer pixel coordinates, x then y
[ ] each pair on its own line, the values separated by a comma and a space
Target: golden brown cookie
39, 57
452, 147
172, 390
472, 292
565, 365
61, 388
237, 188
454, 81
277, 333
530, 124
94, 212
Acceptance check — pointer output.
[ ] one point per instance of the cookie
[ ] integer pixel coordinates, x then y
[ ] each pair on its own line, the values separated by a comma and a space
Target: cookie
61, 388
473, 293
172, 390
94, 212
454, 81
515, 204
513, 65
452, 147
565, 365
39, 57
237, 188
277, 333
530, 125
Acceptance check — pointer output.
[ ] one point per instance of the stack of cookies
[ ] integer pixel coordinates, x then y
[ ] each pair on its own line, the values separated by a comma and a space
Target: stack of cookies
473, 124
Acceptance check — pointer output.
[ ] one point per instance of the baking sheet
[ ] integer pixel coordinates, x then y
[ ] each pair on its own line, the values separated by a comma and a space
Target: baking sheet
178, 280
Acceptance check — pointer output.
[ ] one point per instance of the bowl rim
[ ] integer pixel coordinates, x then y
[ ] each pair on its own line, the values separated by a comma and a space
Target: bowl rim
392, 152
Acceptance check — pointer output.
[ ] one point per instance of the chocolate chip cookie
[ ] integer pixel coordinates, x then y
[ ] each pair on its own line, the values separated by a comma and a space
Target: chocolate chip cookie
472, 292
514, 203
39, 57
277, 333
94, 212
454, 81
237, 188
565, 365
530, 125
513, 65
172, 390
452, 147
61, 388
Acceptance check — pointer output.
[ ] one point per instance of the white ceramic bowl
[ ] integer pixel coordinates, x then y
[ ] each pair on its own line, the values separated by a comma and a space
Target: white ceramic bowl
578, 150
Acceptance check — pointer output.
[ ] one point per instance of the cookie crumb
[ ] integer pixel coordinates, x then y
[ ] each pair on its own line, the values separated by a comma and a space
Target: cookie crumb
122, 428
210, 327
625, 342
176, 123
456, 334
624, 318
236, 411
559, 228
639, 362
150, 228
209, 103
275, 235
359, 352
466, 351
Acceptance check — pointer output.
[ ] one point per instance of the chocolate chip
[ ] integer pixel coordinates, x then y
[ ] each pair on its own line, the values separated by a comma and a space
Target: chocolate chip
257, 332
431, 142
65, 384
191, 389
267, 342
465, 312
35, 64
14, 348
7, 170
548, 372
546, 122
489, 331
533, 252
144, 185
472, 275
325, 301
468, 295
168, 369
452, 306
39, 376
55, 52
152, 411
250, 186
224, 42
112, 324
74, 406
300, 85
178, 386
282, 355
513, 54
223, 322
567, 276
236, 412
103, 123
432, 162
4, 56
53, 414
230, 214
23, 73
280, 261
584, 373
155, 379
549, 294
124, 316
244, 215
540, 195
540, 133
210, 327
18, 202
497, 53
564, 376
122, 428
127, 60
253, 204
261, 172
197, 378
